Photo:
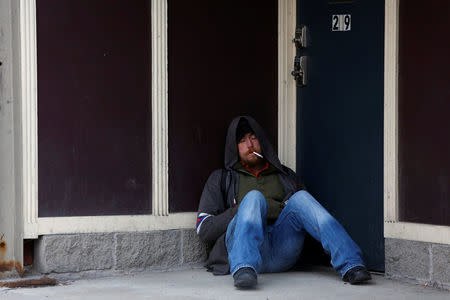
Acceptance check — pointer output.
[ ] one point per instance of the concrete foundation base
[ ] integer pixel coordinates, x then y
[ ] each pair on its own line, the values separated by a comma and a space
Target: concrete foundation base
422, 262
123, 251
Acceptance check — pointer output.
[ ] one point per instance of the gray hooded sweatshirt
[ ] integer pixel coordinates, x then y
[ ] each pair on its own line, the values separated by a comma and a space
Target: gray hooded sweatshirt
218, 201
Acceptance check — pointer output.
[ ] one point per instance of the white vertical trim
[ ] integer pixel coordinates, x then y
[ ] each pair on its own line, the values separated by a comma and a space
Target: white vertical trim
28, 116
160, 164
287, 102
390, 112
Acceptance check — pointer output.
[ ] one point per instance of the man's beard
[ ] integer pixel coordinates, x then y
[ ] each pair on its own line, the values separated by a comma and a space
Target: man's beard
252, 160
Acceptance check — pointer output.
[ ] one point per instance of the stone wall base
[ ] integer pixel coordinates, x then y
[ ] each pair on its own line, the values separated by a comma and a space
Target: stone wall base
121, 251
425, 263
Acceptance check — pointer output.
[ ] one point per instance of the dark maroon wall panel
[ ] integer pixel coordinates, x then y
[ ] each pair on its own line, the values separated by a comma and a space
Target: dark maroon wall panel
424, 112
222, 63
94, 107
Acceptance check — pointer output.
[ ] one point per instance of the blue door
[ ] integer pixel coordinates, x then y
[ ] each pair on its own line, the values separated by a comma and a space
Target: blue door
340, 116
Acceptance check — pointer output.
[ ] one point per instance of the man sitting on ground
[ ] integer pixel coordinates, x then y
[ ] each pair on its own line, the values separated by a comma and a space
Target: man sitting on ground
257, 215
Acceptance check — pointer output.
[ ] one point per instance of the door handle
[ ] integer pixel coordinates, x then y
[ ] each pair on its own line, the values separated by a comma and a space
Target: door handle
300, 37
299, 72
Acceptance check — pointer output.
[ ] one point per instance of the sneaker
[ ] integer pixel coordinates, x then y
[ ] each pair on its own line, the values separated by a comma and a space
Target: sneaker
245, 278
357, 275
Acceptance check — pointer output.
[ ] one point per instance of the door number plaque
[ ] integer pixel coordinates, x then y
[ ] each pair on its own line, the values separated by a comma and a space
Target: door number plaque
341, 22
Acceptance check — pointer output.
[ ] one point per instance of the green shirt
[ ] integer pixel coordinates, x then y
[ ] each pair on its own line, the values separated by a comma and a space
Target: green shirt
268, 183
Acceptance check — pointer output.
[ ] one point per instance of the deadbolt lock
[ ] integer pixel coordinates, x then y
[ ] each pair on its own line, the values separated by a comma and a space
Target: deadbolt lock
299, 72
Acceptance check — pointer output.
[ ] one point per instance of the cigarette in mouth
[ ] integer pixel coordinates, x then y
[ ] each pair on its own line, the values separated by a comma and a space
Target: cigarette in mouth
257, 154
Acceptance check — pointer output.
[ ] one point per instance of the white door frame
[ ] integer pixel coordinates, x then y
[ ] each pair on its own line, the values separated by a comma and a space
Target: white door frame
393, 228
26, 133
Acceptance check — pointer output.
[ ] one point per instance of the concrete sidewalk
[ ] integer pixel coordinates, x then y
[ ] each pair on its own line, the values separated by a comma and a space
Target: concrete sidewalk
319, 283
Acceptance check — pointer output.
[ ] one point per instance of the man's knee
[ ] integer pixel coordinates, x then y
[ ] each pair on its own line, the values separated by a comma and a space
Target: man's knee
254, 199
300, 198
253, 203
254, 194
305, 202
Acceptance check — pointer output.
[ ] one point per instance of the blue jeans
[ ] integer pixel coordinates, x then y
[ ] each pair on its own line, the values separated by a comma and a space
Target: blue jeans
275, 248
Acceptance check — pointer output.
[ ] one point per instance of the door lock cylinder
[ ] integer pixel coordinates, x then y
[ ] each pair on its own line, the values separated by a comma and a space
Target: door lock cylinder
299, 72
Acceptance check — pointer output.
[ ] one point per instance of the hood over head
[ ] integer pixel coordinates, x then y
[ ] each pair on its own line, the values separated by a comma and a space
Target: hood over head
242, 129
231, 149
